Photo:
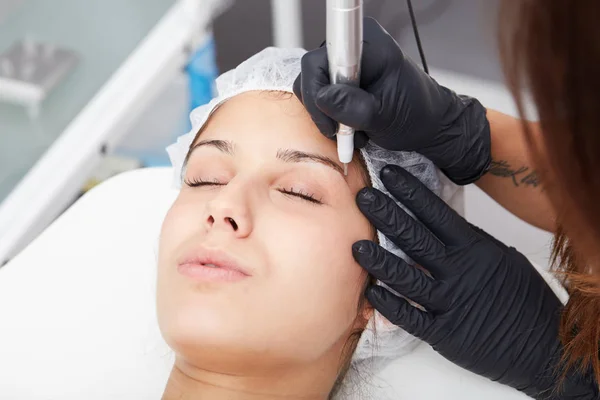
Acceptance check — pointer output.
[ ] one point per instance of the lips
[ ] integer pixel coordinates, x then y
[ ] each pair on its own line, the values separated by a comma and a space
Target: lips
212, 265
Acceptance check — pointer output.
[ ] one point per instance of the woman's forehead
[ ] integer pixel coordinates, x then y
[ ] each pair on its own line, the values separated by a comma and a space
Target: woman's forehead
270, 122
276, 117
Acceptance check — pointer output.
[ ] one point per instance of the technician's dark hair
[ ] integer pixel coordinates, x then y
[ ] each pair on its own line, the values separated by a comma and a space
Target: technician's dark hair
551, 48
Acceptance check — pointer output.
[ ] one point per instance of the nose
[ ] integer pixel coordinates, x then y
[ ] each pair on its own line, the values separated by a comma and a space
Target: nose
227, 222
229, 212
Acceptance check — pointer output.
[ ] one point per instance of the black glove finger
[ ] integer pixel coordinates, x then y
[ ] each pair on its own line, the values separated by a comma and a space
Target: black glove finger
431, 210
377, 59
298, 87
399, 311
315, 76
360, 139
408, 234
350, 106
380, 52
489, 237
405, 279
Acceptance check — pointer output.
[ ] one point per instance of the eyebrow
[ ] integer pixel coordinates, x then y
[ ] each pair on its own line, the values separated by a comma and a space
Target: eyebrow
297, 156
285, 155
225, 146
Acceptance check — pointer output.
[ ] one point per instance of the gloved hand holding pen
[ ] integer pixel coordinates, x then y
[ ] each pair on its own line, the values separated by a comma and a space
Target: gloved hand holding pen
398, 107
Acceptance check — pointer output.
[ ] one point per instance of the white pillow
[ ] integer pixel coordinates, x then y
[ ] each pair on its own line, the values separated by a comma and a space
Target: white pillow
77, 306
77, 309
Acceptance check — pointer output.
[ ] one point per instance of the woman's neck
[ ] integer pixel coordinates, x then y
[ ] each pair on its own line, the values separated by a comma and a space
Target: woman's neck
187, 382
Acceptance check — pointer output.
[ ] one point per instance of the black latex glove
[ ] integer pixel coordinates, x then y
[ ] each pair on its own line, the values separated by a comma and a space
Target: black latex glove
488, 309
399, 107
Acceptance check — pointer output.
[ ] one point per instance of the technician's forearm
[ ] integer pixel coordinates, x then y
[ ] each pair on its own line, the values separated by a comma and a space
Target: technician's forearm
512, 179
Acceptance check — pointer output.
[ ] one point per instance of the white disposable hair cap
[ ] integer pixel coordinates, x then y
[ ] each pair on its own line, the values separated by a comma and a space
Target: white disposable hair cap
275, 69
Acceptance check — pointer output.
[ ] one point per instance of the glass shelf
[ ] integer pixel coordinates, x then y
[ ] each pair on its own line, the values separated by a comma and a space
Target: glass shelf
102, 34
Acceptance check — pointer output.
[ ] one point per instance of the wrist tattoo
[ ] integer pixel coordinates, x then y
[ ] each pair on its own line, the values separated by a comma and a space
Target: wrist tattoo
522, 176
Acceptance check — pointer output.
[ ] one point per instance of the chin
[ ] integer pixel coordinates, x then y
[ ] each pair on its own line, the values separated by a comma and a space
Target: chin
214, 341
187, 329
212, 350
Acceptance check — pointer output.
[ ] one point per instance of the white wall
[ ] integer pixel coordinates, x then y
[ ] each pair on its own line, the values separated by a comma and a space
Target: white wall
8, 6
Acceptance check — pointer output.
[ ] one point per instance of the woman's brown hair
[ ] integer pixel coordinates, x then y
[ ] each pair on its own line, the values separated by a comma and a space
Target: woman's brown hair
551, 49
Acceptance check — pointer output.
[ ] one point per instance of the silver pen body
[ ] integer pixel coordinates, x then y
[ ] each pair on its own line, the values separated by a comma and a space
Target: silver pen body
344, 52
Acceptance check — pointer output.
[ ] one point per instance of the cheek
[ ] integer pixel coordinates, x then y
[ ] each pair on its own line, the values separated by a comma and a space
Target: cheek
317, 280
183, 221
322, 245
180, 224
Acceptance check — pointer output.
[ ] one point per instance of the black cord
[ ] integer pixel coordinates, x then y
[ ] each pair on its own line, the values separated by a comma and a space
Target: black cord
396, 22
413, 21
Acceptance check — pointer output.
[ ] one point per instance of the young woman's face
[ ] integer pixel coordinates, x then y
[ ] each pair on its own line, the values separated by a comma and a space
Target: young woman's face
266, 202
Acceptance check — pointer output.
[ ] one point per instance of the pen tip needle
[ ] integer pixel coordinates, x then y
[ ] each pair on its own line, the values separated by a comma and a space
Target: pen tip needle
345, 169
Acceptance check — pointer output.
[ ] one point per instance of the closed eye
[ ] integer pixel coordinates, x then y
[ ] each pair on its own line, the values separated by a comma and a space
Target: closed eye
197, 182
300, 194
